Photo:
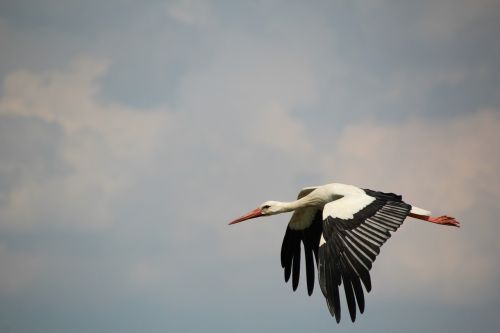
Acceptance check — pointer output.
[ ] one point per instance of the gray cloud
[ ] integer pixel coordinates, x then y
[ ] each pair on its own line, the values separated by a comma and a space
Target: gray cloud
31, 151
182, 115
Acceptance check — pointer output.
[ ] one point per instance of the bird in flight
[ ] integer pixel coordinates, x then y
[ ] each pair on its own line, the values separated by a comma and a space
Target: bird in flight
341, 228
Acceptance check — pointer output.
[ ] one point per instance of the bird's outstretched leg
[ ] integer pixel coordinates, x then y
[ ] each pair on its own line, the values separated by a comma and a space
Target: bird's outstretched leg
444, 220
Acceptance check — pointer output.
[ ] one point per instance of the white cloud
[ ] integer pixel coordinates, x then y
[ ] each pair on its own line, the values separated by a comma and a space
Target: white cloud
445, 162
103, 145
252, 88
281, 131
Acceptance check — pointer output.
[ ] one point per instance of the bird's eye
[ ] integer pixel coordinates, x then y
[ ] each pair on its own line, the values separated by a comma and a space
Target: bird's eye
266, 207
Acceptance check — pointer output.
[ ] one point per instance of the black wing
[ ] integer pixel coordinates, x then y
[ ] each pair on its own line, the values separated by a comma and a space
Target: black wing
291, 248
350, 246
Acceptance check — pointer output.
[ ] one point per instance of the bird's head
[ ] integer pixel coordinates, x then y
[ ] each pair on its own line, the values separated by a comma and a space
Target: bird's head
267, 208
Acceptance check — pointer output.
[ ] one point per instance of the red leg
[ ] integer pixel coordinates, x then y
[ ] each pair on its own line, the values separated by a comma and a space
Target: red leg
444, 220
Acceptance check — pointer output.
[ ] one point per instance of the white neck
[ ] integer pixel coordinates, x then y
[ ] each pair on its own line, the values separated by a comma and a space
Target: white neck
307, 201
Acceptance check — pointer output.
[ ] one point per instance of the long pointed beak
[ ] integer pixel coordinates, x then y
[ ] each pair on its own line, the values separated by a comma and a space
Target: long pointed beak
251, 215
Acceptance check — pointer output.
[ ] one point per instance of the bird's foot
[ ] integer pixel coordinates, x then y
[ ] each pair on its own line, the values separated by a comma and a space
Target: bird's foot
444, 220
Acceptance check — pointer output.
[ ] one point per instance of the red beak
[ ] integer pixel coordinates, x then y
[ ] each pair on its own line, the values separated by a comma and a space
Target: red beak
251, 215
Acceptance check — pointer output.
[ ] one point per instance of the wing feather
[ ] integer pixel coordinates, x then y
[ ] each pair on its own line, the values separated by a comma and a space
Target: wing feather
352, 245
352, 241
296, 267
294, 238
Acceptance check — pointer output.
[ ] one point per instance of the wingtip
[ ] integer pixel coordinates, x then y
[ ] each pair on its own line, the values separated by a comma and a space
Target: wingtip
287, 275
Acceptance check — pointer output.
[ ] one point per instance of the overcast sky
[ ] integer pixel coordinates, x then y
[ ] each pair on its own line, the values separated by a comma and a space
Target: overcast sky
132, 132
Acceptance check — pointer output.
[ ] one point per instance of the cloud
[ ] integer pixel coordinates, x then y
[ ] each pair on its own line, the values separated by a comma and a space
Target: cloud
116, 213
450, 161
191, 12
18, 270
443, 20
432, 21
100, 146
449, 167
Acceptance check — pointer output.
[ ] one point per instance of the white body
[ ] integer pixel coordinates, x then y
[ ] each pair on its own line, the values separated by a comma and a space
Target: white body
337, 200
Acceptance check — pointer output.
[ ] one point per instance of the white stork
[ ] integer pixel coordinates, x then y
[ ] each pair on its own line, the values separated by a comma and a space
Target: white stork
344, 227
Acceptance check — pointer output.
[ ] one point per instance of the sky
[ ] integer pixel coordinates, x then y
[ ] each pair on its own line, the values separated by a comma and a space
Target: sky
132, 132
